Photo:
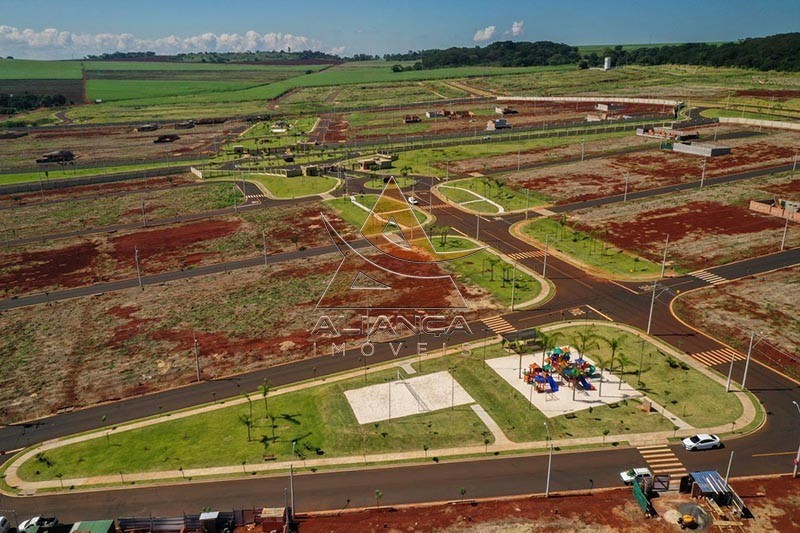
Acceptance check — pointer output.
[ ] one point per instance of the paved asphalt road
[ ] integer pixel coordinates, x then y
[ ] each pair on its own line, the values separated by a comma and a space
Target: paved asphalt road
493, 477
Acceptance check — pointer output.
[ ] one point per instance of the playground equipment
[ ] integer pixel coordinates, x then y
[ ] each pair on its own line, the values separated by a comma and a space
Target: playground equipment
558, 362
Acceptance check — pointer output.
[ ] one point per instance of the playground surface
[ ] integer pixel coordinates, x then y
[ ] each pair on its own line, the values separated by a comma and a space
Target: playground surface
557, 401
406, 397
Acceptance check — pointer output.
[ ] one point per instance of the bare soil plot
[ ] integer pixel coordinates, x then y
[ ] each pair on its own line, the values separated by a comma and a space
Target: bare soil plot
773, 501
112, 143
706, 226
766, 303
78, 352
73, 215
85, 260
83, 191
652, 169
508, 162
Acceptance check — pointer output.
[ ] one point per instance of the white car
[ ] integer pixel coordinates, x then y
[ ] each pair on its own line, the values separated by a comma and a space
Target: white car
412, 200
629, 476
36, 521
703, 441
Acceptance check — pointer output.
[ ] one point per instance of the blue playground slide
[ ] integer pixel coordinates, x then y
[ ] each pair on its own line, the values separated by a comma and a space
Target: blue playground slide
552, 383
585, 384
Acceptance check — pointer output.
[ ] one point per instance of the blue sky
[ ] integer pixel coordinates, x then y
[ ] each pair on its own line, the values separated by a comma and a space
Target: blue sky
63, 29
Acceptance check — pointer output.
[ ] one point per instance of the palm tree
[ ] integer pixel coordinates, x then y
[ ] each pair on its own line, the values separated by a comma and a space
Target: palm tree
602, 363
264, 389
492, 263
548, 341
248, 422
584, 341
623, 360
614, 343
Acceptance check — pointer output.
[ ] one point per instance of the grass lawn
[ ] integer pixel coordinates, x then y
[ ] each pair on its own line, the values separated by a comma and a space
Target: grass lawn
521, 422
487, 271
685, 392
497, 191
377, 182
28, 69
282, 187
716, 113
589, 250
143, 90
355, 216
83, 172
319, 419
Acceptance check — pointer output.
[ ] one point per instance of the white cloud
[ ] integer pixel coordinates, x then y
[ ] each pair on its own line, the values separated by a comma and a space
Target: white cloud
52, 42
484, 35
516, 28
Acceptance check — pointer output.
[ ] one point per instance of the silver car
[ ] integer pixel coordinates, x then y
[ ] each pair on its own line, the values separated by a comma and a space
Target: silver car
703, 441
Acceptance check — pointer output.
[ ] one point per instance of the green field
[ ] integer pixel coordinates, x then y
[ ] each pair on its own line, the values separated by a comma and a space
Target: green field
179, 66
319, 419
590, 250
82, 172
143, 90
20, 69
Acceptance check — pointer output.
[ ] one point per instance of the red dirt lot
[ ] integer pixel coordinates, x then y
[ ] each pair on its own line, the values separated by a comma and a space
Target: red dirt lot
69, 267
84, 191
696, 217
774, 503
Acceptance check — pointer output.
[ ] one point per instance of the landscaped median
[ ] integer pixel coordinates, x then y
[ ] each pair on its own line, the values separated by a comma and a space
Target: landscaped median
255, 433
585, 250
488, 195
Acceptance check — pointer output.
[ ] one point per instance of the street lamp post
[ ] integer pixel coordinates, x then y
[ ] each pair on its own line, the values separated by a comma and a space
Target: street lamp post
652, 305
785, 230
291, 477
664, 259
196, 356
703, 175
546, 248
138, 270
549, 462
477, 226
747, 361
625, 194
797, 458
513, 285
264, 239
728, 471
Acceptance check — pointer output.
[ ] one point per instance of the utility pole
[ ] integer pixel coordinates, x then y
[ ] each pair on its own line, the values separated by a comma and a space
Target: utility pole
583, 142
728, 471
703, 175
797, 458
291, 477
527, 202
478, 226
144, 217
138, 270
549, 461
196, 356
264, 239
664, 259
546, 249
513, 285
730, 375
625, 195
652, 305
747, 361
785, 229
518, 160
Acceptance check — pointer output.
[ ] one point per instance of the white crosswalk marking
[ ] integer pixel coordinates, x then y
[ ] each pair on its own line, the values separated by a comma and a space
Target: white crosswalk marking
498, 324
708, 277
534, 254
718, 357
663, 461
256, 197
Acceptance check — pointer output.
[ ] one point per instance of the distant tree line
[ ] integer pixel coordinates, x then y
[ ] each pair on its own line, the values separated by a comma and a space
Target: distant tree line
15, 103
253, 57
776, 52
499, 54
119, 55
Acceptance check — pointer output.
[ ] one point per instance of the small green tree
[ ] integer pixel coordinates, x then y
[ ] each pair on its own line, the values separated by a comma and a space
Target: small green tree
264, 389
378, 496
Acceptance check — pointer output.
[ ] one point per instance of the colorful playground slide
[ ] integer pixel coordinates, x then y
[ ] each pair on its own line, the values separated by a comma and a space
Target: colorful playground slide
585, 384
552, 383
